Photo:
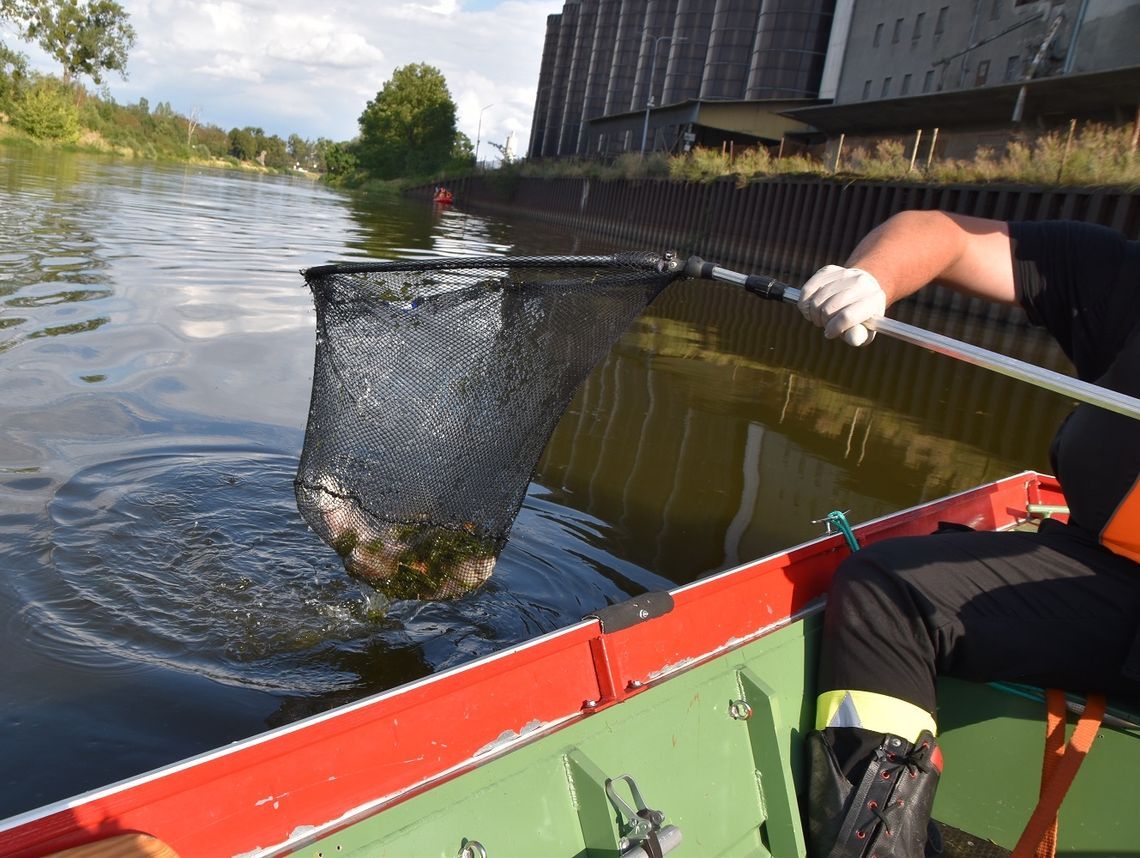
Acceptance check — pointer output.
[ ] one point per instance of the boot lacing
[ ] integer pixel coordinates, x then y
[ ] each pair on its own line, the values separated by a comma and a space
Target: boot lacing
915, 761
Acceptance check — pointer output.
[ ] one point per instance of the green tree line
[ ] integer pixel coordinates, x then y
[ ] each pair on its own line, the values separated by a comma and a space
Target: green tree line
90, 38
46, 108
408, 131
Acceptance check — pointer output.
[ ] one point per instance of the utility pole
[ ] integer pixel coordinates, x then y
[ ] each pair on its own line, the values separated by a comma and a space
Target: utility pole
478, 132
649, 87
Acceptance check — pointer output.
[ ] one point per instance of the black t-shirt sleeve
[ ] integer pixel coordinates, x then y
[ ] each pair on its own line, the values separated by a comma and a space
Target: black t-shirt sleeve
1070, 279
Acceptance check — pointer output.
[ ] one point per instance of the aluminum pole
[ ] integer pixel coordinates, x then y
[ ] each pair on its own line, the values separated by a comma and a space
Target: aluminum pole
1044, 378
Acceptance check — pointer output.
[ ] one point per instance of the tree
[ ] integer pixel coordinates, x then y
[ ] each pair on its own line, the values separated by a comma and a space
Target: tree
243, 143
461, 148
271, 152
13, 76
338, 159
87, 37
47, 112
409, 128
300, 150
192, 122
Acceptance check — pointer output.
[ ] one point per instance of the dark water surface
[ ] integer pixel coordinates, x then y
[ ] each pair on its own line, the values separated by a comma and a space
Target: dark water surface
159, 593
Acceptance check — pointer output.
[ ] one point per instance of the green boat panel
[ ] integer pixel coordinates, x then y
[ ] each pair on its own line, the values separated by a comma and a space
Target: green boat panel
728, 781
595, 812
993, 742
771, 757
691, 758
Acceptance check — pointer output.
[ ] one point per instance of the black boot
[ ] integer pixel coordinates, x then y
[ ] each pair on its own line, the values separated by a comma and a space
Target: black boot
887, 814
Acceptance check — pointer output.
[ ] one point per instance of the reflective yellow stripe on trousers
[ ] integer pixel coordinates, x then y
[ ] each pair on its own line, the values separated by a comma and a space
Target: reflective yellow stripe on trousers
876, 712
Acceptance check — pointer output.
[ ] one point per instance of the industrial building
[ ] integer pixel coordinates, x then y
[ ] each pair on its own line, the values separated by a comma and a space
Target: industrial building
644, 75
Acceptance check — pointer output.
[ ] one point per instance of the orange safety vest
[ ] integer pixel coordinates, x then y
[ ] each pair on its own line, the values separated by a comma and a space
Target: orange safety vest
1121, 534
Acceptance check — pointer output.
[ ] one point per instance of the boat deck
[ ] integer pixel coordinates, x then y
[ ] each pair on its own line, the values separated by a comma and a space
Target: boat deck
961, 844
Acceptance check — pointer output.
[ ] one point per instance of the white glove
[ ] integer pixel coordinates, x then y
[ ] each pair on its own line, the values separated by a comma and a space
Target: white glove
841, 301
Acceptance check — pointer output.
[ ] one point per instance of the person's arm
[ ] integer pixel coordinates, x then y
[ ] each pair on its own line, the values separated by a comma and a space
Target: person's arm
899, 257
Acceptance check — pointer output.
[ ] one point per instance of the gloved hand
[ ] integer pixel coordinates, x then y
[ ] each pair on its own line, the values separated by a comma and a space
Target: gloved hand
841, 300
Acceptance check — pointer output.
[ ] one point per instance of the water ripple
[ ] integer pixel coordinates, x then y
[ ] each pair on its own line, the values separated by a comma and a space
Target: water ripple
195, 559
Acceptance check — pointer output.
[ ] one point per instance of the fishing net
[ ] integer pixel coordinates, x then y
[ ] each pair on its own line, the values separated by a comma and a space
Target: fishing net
436, 387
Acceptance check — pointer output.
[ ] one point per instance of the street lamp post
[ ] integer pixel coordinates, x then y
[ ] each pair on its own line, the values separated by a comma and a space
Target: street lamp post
649, 88
478, 133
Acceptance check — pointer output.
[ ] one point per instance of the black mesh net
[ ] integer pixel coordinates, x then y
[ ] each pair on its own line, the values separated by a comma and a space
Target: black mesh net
436, 387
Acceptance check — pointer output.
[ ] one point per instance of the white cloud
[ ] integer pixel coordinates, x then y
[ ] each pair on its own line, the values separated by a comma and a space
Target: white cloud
229, 68
224, 17
292, 66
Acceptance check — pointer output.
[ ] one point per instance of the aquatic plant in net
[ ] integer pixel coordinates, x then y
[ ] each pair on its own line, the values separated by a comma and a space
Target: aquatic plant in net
436, 386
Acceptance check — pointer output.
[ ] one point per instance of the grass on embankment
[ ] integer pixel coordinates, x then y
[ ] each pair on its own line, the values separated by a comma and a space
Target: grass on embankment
1096, 155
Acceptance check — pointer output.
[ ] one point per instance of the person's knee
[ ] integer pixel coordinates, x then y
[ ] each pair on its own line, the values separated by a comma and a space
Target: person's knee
864, 582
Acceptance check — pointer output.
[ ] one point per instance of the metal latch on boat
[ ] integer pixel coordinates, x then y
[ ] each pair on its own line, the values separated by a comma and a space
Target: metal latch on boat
644, 833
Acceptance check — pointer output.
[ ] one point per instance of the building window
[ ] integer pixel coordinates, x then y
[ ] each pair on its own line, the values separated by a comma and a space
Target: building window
940, 24
886, 88
927, 82
995, 10
983, 73
878, 36
866, 90
905, 85
897, 32
1011, 68
917, 34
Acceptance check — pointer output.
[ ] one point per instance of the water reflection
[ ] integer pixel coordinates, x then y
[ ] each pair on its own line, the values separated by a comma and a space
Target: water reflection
722, 427
387, 229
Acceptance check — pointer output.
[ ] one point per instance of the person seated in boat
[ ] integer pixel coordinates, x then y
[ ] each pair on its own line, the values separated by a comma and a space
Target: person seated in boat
1056, 608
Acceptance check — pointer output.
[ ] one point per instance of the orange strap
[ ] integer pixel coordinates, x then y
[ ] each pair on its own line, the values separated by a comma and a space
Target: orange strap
1039, 840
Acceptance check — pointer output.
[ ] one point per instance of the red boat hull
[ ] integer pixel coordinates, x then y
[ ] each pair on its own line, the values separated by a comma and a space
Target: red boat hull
259, 793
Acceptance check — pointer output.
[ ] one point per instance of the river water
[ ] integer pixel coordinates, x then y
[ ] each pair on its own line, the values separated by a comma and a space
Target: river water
159, 593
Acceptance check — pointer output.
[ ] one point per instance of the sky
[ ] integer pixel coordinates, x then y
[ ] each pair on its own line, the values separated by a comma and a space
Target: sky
309, 68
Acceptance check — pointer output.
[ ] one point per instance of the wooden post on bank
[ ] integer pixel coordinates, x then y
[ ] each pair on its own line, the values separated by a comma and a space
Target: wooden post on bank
838, 154
930, 154
1135, 132
1065, 151
914, 151
784, 137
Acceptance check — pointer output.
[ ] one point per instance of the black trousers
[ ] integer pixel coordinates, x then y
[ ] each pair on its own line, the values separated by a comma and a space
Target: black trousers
1051, 608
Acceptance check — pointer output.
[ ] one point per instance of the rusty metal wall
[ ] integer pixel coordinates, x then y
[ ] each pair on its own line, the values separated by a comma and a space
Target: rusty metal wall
783, 227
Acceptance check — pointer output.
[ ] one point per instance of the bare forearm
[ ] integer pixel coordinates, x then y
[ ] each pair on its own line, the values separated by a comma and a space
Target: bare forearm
913, 248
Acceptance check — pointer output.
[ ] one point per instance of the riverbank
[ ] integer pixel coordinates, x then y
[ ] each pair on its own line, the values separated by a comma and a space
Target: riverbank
93, 143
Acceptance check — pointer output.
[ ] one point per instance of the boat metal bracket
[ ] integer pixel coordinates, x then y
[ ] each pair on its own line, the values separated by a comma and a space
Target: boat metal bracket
645, 832
639, 609
768, 734
836, 522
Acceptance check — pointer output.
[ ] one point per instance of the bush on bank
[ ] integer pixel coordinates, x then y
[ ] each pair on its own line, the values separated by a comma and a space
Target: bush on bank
47, 111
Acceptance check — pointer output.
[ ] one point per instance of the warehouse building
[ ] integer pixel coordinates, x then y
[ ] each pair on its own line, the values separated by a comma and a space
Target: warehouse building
644, 75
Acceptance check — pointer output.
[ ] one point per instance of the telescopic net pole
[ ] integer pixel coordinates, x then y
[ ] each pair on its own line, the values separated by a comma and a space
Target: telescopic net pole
767, 287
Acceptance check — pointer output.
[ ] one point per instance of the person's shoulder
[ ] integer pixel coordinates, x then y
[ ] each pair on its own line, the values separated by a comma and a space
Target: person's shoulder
1068, 231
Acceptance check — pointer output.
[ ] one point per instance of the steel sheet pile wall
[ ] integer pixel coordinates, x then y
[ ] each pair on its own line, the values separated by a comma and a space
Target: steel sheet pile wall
786, 228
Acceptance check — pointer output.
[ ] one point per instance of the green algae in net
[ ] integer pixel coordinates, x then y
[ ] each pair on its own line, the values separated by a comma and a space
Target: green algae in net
436, 386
